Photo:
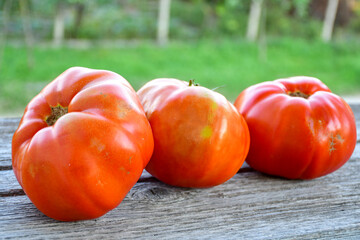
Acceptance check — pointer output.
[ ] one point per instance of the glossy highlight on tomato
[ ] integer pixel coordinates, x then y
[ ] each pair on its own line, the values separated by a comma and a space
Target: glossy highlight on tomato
298, 128
81, 145
200, 140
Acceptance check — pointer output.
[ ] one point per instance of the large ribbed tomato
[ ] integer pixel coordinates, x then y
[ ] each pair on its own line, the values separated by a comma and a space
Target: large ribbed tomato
81, 145
200, 140
298, 128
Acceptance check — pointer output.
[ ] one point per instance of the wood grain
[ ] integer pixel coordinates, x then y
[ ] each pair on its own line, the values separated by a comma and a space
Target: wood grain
8, 184
251, 205
7, 129
356, 111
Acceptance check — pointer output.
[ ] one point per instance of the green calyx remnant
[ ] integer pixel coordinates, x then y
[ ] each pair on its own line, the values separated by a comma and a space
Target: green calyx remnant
193, 83
56, 113
298, 94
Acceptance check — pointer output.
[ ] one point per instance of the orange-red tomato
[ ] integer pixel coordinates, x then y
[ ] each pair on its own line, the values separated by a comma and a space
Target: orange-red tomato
200, 140
81, 145
298, 128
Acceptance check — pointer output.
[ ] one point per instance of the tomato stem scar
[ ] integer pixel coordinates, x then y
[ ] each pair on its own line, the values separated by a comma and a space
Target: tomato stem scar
298, 94
56, 113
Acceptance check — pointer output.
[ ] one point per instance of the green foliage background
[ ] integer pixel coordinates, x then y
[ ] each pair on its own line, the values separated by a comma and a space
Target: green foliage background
231, 64
207, 44
190, 19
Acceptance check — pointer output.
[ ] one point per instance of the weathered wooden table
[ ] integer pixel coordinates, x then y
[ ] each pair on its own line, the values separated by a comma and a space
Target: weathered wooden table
249, 206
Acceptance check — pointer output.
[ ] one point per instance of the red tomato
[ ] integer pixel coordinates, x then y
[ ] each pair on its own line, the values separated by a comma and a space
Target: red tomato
81, 145
298, 128
200, 140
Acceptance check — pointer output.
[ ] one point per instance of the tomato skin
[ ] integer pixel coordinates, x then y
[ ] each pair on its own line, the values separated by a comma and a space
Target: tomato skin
200, 140
84, 165
296, 137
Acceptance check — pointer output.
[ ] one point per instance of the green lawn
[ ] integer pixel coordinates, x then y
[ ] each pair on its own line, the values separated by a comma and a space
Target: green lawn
234, 65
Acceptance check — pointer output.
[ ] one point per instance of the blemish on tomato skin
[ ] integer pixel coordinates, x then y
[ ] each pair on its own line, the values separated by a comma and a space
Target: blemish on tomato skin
124, 170
214, 106
96, 143
211, 115
123, 109
334, 139
103, 94
311, 126
332, 143
206, 132
99, 183
339, 138
32, 170
331, 147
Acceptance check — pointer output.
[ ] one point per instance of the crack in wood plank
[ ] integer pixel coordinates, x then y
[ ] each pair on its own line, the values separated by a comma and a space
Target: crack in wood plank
148, 179
12, 193
3, 168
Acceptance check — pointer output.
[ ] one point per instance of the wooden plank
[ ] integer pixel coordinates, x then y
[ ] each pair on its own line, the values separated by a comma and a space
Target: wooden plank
9, 185
7, 129
250, 205
356, 111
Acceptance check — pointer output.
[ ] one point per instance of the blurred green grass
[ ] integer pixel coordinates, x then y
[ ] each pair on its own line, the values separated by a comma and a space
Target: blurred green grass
232, 64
